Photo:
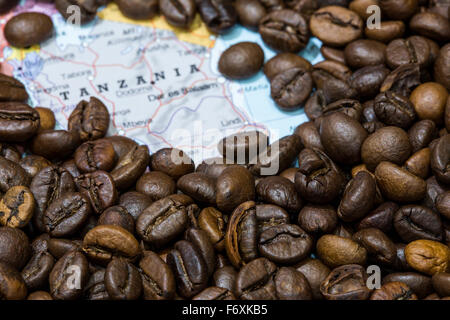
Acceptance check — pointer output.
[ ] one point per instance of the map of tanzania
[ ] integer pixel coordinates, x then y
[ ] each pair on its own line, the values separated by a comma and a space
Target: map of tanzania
160, 84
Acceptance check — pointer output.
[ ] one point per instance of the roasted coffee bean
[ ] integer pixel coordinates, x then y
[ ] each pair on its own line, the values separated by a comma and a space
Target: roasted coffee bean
317, 219
393, 291
381, 217
71, 167
10, 152
269, 215
200, 240
28, 29
95, 155
429, 100
134, 202
163, 220
173, 162
18, 121
421, 134
279, 191
33, 164
250, 12
336, 251
368, 80
241, 147
105, 242
130, 167
283, 62
441, 67
99, 188
14, 247
443, 204
54, 144
431, 25
379, 246
414, 49
362, 53
349, 107
433, 189
59, 247
12, 174
90, 119
95, 287
47, 118
119, 216
440, 159
285, 244
218, 15
315, 272
284, 30
215, 293
156, 185
241, 60
309, 135
122, 280
414, 222
213, 167
441, 283
399, 9
291, 88
121, 144
39, 295
234, 186
419, 163
199, 187
394, 109
305, 7
212, 223
255, 280
16, 207
402, 80
138, 9
69, 276
419, 283
12, 286
36, 272
358, 198
333, 54
291, 284
428, 256
318, 180
178, 13
386, 144
387, 31
189, 267
88, 9
336, 26
158, 281
225, 277
360, 7
347, 282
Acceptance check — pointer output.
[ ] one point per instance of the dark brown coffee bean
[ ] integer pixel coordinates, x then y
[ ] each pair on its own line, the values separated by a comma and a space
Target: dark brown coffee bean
291, 284
431, 25
362, 53
309, 135
234, 186
12, 174
95, 155
381, 217
213, 167
89, 119
212, 223
54, 144
104, 242
414, 222
156, 185
178, 13
122, 280
379, 246
284, 30
443, 204
134, 203
16, 207
36, 272
59, 247
200, 240
88, 9
158, 281
402, 80
283, 62
336, 26
95, 287
121, 144
12, 89
119, 216
399, 9
441, 283
241, 147
419, 283
441, 67
199, 187
99, 188
368, 80
163, 220
414, 49
291, 88
419, 163
279, 191
130, 167
347, 282
138, 9
14, 247
241, 237
285, 243
394, 109
173, 162
12, 286
250, 12
218, 15
317, 219
69, 276
215, 293
10, 152
28, 29
394, 291
333, 54
387, 31
255, 280
241, 60
18, 121
315, 272
440, 159
337, 251
225, 277
33, 164
269, 215
421, 134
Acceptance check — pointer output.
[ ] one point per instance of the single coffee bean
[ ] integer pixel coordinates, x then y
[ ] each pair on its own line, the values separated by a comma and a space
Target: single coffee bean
215, 293
399, 9
402, 80
255, 280
315, 272
347, 282
104, 242
349, 107
18, 121
443, 204
213, 167
421, 134
381, 217
336, 26
269, 215
368, 80
28, 29
291, 284
309, 135
47, 118
59, 247
336, 251
317, 219
12, 174
119, 216
429, 100
360, 7
379, 246
433, 189
163, 220
218, 15
36, 272
54, 144
283, 62
199, 187
211, 221
387, 31
62, 279
441, 67
95, 155
11, 153
241, 60
158, 281
318, 180
386, 144
284, 30
394, 291
343, 230
362, 53
440, 159
441, 283
16, 207
358, 198
414, 222
189, 268
428, 256
250, 12
333, 54
90, 119
122, 145
12, 286
234, 186
285, 244
279, 191
242, 147
14, 247
178, 13
415, 49
33, 164
99, 188
241, 235
200, 240
173, 162
419, 283
134, 202
39, 295
130, 167
431, 25
88, 9
95, 287
394, 109
419, 163
291, 88
138, 9
122, 280
71, 167
305, 7
225, 277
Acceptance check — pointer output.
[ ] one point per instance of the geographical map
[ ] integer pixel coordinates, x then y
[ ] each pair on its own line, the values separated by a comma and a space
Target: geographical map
160, 84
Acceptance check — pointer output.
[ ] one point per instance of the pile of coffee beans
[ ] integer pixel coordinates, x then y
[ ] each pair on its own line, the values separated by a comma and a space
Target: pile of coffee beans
359, 193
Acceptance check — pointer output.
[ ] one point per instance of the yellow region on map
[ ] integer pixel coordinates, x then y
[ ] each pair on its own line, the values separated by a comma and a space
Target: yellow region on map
20, 54
197, 34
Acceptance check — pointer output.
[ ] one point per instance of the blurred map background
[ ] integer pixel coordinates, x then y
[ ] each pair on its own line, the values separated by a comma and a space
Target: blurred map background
161, 84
